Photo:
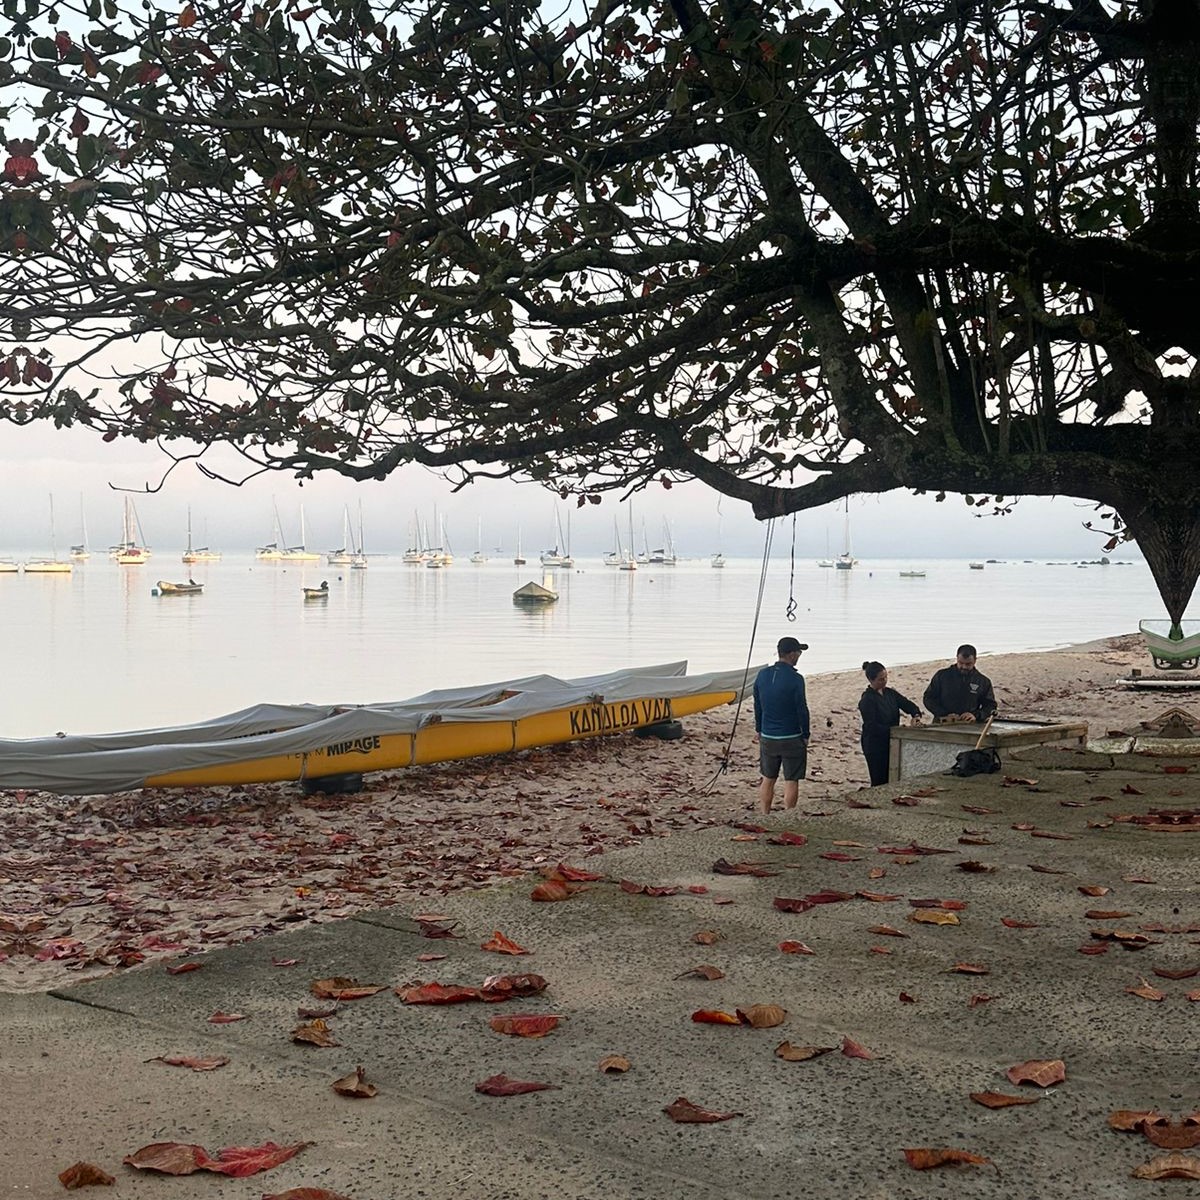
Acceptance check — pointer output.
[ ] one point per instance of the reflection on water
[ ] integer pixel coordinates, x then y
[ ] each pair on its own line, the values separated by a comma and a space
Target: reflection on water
94, 650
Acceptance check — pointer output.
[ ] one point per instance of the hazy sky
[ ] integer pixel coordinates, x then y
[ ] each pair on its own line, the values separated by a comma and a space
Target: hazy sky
81, 471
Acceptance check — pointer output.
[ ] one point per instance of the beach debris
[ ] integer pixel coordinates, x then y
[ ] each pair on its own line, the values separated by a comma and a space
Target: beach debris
708, 937
306, 1193
703, 971
179, 1158
225, 1018
924, 1158
684, 1112
574, 874
1001, 1099
551, 890
791, 1053
183, 968
1175, 1165
1013, 923
1146, 991
84, 1174
355, 1086
853, 1049
787, 838
714, 1016
933, 916
502, 1085
979, 998
526, 1025
969, 968
499, 944
1040, 1072
878, 897
648, 889
887, 931
315, 1033
614, 1064
193, 1063
905, 998
340, 988
762, 1016
793, 947
947, 905
724, 867
974, 867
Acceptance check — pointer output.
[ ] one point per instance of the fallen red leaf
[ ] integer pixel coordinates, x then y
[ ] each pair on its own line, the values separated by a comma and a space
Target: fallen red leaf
838, 856
614, 1064
499, 944
762, 1016
979, 998
828, 897
224, 1018
1104, 914
853, 1049
724, 867
703, 971
1094, 889
925, 1158
526, 1025
306, 1193
503, 987
1013, 923
905, 998
1042, 1072
790, 1053
877, 897
1130, 790
708, 937
788, 839
502, 1085
183, 968
575, 874
714, 1016
355, 1086
1182, 973
1146, 992
1001, 1099
84, 1174
793, 904
966, 968
683, 1111
790, 947
436, 993
316, 1033
948, 905
648, 889
551, 890
1170, 1166
177, 1158
196, 1064
340, 988
886, 931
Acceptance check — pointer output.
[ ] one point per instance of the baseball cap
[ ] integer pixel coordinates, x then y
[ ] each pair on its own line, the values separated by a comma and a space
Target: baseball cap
789, 645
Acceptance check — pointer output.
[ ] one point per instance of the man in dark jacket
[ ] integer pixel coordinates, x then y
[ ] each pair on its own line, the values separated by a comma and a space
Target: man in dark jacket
781, 725
960, 693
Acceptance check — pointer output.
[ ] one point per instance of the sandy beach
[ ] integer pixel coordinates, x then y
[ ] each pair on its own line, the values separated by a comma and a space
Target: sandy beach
96, 884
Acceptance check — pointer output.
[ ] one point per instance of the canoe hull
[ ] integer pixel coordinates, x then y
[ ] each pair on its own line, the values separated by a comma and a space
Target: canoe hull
449, 741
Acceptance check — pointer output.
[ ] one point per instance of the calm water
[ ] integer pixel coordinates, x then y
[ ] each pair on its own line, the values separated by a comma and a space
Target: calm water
96, 651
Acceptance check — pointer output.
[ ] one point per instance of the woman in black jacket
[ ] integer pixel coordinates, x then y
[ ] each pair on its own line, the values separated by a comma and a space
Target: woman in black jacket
880, 707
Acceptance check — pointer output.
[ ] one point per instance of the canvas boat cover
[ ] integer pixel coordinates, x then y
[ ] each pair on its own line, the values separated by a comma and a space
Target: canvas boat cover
89, 764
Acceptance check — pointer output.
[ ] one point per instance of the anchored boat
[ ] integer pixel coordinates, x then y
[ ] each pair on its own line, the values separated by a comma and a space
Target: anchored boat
269, 743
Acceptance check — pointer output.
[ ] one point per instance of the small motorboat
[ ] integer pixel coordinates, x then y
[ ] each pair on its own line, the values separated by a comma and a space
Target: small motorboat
534, 594
164, 587
317, 593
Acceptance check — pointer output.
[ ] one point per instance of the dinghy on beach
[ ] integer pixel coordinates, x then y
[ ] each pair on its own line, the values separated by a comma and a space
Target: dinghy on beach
271, 743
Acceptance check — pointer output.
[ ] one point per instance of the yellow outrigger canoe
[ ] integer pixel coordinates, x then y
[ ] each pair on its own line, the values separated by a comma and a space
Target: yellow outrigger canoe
269, 743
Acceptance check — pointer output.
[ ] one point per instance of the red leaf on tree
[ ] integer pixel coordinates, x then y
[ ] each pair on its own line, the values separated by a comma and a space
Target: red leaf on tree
926, 1158
499, 944
1042, 1072
683, 1111
525, 1025
502, 1085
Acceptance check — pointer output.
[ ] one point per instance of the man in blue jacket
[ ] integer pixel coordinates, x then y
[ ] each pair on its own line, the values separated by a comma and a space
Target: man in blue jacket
781, 725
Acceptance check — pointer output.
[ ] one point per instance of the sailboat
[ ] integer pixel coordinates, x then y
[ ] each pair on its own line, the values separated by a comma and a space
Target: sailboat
556, 557
131, 551
628, 557
718, 559
518, 558
414, 556
195, 554
81, 553
479, 556
345, 556
664, 555
826, 562
53, 565
846, 560
276, 551
440, 555
358, 560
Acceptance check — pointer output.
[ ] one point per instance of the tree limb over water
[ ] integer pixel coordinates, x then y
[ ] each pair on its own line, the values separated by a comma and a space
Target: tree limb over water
794, 251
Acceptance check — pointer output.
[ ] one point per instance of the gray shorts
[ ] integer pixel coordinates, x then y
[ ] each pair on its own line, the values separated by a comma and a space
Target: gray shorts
790, 754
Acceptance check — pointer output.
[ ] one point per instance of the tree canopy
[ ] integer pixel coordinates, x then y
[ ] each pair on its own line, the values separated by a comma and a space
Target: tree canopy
795, 250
